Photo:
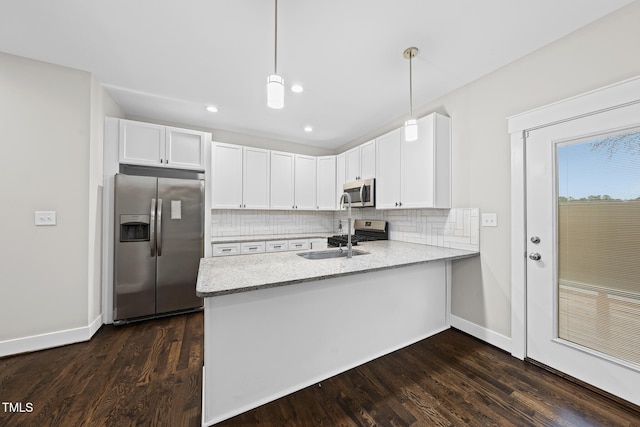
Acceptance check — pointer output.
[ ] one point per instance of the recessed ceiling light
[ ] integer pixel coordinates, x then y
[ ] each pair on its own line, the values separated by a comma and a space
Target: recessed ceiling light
308, 129
212, 109
297, 88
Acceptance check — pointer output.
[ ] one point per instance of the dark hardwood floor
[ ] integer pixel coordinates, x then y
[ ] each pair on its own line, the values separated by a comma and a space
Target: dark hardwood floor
150, 373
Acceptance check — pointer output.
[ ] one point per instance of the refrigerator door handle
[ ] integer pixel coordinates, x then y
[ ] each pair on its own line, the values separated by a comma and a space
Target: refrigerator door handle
152, 225
159, 225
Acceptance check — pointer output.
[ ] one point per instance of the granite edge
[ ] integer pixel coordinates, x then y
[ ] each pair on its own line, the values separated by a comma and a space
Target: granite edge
330, 276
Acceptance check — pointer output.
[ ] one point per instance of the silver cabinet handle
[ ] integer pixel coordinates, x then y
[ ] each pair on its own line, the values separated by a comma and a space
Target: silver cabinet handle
152, 224
159, 227
535, 256
535, 240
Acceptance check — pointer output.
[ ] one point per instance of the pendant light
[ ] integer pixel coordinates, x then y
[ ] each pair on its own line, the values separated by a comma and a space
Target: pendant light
411, 125
275, 83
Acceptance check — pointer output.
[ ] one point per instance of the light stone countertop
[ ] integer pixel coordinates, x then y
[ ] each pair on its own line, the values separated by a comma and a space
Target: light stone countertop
268, 237
241, 273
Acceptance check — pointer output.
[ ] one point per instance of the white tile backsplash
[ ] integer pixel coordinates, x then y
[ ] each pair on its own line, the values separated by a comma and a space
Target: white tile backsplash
457, 228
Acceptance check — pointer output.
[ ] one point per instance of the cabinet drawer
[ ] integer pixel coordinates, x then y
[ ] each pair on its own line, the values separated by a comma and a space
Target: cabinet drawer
252, 248
226, 249
277, 246
298, 245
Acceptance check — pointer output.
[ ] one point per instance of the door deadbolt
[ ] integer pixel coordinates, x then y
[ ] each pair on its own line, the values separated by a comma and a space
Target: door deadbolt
535, 240
535, 256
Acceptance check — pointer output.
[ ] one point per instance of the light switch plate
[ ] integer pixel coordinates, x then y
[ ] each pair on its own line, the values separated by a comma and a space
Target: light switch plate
489, 220
45, 218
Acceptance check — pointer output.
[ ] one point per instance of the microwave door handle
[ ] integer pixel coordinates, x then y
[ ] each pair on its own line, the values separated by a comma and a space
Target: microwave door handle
361, 194
152, 225
159, 225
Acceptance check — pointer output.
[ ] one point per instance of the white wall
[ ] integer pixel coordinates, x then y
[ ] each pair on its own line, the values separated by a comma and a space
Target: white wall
51, 141
594, 56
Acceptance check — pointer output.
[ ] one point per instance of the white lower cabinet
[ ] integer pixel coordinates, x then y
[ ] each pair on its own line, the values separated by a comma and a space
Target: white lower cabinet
260, 247
277, 246
318, 243
299, 245
252, 248
226, 249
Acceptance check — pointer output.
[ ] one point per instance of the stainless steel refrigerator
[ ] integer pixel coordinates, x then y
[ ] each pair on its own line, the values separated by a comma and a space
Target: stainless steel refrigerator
159, 237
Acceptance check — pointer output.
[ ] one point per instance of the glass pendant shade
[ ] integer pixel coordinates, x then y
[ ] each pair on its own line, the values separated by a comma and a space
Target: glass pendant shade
411, 130
275, 91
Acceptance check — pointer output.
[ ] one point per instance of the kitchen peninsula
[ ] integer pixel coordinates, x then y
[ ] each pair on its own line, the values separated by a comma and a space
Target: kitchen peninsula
276, 323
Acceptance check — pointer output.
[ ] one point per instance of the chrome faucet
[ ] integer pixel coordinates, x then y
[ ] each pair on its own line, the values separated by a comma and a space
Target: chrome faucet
348, 197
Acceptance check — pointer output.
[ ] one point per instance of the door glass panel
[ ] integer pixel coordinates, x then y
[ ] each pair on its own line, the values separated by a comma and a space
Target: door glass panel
598, 208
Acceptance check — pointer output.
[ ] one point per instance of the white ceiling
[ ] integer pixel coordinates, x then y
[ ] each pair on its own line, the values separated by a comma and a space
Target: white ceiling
167, 60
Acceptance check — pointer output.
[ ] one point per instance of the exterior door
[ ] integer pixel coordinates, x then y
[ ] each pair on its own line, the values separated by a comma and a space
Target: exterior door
583, 247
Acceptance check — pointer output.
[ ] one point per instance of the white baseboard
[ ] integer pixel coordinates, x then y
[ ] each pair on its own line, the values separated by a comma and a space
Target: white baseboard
49, 340
481, 333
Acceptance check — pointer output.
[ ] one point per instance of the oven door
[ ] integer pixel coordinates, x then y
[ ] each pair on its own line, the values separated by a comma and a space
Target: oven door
362, 193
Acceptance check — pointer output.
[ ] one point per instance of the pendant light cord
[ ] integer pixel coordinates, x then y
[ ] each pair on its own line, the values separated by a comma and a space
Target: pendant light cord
410, 84
275, 55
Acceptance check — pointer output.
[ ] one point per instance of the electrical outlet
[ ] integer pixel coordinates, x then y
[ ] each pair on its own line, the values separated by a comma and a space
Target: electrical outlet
45, 218
489, 220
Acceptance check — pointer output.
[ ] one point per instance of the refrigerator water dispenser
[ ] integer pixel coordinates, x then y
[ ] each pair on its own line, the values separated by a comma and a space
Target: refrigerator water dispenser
134, 228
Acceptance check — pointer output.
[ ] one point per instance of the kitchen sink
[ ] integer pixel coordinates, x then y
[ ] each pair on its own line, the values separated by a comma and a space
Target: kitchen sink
330, 254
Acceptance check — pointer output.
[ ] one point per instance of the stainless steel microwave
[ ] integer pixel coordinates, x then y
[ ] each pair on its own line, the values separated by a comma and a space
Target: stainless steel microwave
362, 192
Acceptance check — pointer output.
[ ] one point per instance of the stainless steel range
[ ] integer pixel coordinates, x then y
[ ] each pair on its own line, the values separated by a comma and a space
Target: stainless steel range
366, 230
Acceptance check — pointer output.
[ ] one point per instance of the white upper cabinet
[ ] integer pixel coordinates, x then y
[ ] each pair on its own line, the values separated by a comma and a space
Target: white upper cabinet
388, 177
305, 182
154, 145
256, 175
240, 177
282, 180
352, 162
184, 149
326, 183
141, 143
226, 176
361, 162
368, 160
415, 174
341, 175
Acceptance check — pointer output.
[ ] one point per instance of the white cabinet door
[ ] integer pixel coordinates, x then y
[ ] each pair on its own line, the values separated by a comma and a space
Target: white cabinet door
368, 160
184, 149
305, 182
341, 175
415, 174
426, 165
326, 183
282, 180
417, 167
256, 177
226, 171
141, 143
353, 164
388, 170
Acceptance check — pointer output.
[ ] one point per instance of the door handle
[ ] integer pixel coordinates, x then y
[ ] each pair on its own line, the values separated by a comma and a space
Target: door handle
535, 256
159, 227
152, 224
